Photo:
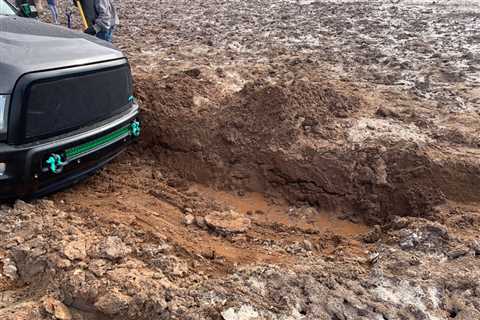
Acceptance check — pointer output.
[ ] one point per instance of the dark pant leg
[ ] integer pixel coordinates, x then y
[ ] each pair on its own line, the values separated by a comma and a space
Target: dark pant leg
102, 35
106, 35
110, 34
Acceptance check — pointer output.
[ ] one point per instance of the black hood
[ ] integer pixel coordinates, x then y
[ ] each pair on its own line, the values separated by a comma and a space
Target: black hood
27, 45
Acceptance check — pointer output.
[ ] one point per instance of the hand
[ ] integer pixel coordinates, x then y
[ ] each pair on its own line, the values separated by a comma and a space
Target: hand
91, 31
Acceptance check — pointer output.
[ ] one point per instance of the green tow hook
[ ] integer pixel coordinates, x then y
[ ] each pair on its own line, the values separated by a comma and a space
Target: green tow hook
55, 163
135, 128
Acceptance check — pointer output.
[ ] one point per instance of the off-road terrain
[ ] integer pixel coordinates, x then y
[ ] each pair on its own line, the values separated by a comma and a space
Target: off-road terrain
299, 160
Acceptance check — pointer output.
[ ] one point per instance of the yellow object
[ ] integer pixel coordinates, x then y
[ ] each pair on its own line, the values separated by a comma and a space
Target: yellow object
82, 14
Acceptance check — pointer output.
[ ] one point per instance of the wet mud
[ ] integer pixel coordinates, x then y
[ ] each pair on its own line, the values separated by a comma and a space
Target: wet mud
298, 160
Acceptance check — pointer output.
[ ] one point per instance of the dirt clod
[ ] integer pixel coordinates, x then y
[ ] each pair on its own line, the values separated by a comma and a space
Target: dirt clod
10, 269
229, 222
75, 250
188, 219
113, 248
57, 309
243, 313
113, 303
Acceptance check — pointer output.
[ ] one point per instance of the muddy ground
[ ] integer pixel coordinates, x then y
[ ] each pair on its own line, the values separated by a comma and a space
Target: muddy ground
299, 160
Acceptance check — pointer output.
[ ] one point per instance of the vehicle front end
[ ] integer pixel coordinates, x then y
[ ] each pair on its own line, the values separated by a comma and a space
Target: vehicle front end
65, 111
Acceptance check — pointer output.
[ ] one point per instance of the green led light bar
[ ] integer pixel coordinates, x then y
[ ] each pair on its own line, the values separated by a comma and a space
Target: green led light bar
56, 162
87, 147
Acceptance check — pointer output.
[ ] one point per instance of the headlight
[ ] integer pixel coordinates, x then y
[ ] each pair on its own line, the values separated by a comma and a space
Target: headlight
3, 113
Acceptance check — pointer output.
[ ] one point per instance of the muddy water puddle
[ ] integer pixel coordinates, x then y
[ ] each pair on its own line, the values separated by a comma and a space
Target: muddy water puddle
263, 210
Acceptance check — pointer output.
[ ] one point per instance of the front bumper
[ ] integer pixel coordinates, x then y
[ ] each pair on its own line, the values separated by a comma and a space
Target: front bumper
28, 173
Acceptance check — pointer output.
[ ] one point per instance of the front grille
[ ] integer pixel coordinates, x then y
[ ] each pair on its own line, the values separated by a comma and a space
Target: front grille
55, 106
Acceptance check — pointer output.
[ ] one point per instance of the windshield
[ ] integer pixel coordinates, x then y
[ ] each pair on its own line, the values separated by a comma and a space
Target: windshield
6, 9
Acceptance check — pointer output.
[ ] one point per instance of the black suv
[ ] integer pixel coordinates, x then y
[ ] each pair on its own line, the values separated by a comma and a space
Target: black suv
66, 105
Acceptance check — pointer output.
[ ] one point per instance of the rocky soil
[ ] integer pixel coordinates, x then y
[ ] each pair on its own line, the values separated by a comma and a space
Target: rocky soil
300, 160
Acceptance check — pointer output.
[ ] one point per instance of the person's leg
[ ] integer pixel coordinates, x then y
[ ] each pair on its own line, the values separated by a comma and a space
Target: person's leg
55, 10
52, 11
106, 35
102, 35
110, 34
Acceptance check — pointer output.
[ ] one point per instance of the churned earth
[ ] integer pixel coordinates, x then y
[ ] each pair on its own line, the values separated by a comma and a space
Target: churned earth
299, 160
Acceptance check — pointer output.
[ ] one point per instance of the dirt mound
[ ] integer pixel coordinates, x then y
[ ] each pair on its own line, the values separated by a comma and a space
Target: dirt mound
278, 115
261, 113
302, 141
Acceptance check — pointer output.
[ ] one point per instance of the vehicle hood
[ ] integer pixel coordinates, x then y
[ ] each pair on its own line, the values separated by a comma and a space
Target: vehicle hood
27, 45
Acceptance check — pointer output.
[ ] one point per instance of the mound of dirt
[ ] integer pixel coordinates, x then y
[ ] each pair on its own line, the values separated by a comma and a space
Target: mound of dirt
294, 140
279, 115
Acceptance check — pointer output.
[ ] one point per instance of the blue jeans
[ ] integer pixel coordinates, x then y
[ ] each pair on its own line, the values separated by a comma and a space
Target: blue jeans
53, 10
106, 35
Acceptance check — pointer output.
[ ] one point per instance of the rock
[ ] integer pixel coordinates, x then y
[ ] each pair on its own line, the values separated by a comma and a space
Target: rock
188, 210
113, 248
75, 250
227, 222
188, 219
245, 312
10, 269
57, 309
113, 303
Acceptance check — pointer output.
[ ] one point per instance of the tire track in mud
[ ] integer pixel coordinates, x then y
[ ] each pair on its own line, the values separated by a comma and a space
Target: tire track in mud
272, 225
